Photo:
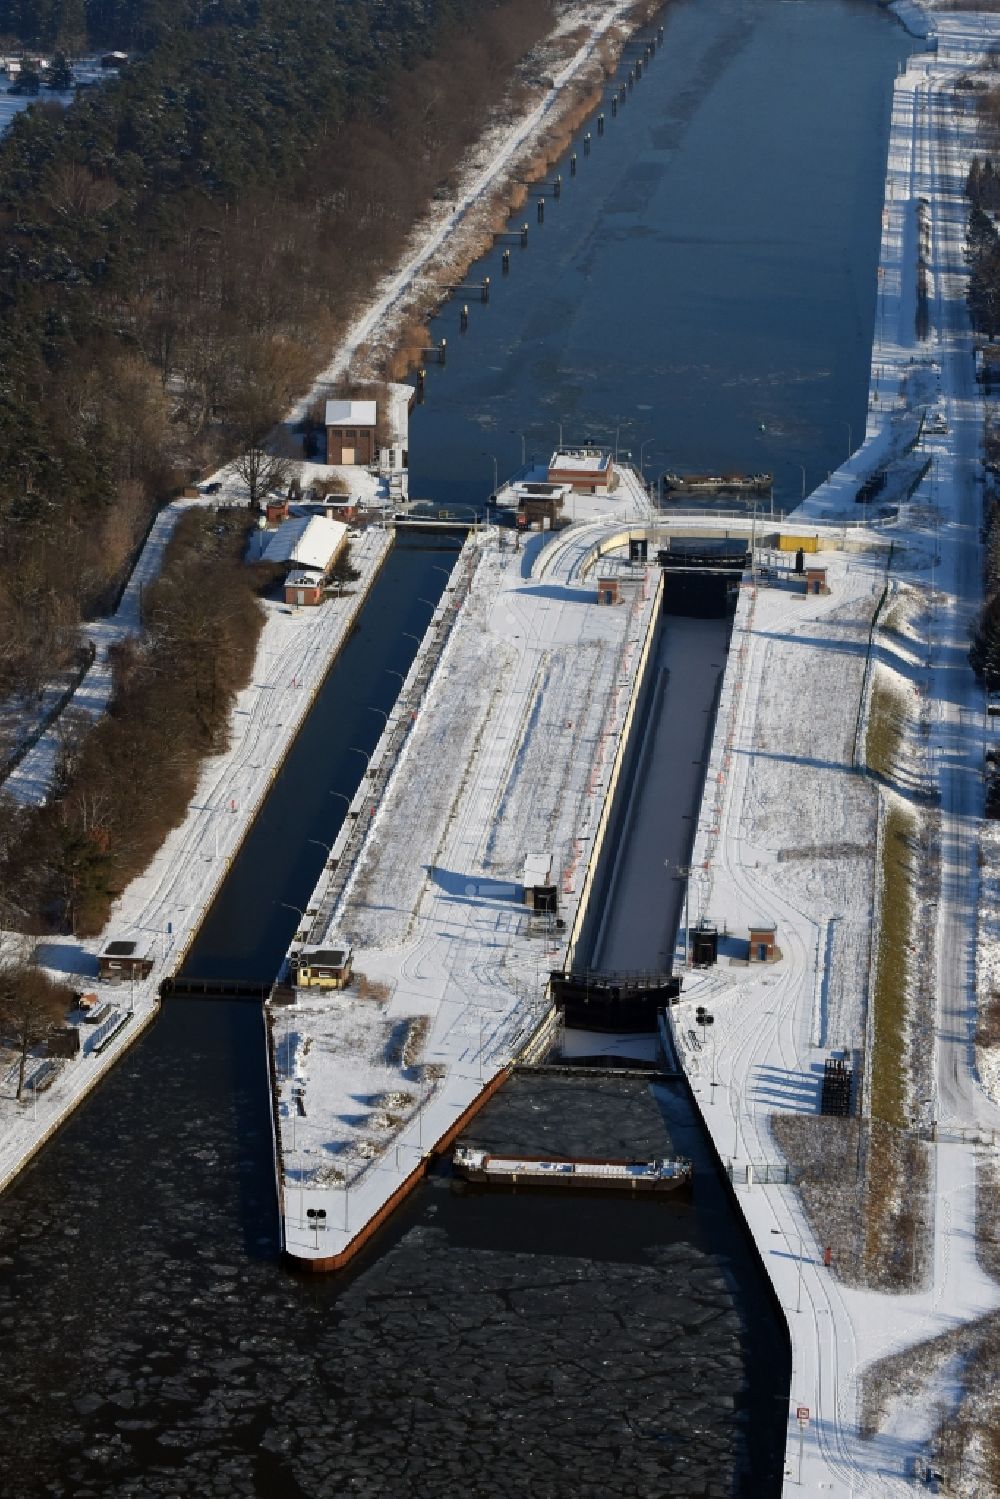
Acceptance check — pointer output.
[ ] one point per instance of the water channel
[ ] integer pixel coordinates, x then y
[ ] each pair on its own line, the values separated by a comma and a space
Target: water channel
710, 270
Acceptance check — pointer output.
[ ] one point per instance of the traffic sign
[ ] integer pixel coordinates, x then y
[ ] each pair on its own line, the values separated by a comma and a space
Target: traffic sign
802, 1413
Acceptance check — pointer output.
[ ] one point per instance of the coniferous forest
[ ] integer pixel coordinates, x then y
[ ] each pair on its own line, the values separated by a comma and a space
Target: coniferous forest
178, 252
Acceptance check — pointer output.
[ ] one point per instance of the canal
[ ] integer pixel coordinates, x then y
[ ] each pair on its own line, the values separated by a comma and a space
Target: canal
708, 284
703, 291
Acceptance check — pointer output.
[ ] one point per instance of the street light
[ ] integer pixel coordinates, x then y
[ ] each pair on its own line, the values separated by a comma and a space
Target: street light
496, 481
300, 914
394, 673
850, 439
803, 468
320, 844
524, 450
343, 796
704, 1019
372, 709
642, 449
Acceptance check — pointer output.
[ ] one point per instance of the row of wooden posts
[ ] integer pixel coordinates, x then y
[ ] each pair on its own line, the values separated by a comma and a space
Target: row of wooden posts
438, 354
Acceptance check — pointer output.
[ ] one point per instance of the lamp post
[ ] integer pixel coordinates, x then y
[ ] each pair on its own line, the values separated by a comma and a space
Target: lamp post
342, 794
325, 846
496, 481
705, 1020
300, 914
524, 449
803, 468
850, 439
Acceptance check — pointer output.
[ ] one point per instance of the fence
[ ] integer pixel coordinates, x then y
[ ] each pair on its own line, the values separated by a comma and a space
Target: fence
760, 1173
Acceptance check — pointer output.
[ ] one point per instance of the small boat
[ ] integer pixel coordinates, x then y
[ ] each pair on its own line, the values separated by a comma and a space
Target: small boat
713, 483
663, 1174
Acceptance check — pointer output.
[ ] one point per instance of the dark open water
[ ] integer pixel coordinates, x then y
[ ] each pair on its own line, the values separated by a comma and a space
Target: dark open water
710, 270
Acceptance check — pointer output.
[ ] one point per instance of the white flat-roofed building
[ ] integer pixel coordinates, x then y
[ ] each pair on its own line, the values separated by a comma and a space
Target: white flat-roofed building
585, 470
306, 541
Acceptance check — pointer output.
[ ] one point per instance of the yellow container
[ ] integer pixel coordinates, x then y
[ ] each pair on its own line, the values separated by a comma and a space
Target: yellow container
790, 543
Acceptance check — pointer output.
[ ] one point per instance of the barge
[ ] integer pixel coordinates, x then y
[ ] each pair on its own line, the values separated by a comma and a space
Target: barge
715, 483
591, 1173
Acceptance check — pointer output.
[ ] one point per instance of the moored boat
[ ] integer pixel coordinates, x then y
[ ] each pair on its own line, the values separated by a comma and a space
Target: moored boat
662, 1174
712, 483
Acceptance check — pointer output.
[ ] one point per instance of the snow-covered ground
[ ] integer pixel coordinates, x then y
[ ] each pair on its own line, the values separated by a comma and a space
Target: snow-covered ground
163, 908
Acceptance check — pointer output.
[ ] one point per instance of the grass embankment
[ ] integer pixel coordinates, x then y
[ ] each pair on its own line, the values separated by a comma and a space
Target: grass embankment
894, 1160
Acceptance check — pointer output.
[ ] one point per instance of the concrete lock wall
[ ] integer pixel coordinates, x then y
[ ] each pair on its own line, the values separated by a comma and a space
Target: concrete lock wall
615, 797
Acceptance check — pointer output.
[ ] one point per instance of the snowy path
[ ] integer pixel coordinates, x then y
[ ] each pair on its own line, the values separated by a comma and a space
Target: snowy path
29, 782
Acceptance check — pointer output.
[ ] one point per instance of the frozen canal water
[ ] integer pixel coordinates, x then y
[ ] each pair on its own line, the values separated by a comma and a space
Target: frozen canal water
489, 1345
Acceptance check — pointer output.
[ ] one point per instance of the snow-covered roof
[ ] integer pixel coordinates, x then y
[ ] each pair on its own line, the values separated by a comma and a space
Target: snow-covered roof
579, 460
350, 413
306, 541
535, 491
537, 869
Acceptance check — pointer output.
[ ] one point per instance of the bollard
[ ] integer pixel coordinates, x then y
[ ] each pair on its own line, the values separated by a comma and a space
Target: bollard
505, 263
557, 187
614, 105
541, 210
485, 293
463, 319
586, 144
600, 124
638, 69
524, 236
443, 351
572, 165
421, 377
